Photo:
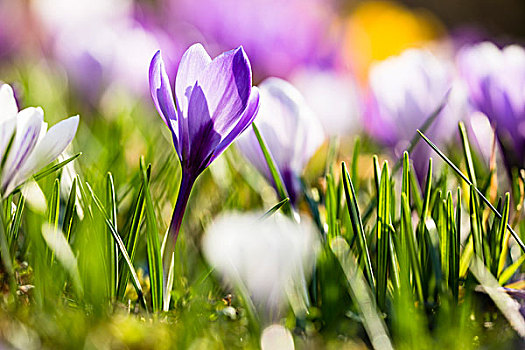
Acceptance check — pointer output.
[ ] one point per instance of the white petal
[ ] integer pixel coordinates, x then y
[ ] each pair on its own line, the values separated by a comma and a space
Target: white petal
28, 125
8, 108
58, 137
7, 128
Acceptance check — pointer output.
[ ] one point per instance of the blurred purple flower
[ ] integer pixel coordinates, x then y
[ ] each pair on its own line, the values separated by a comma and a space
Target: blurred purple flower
404, 91
334, 97
290, 130
214, 103
33, 145
279, 35
99, 43
496, 84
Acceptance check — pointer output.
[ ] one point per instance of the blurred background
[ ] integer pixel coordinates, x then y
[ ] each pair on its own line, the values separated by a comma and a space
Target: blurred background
101, 48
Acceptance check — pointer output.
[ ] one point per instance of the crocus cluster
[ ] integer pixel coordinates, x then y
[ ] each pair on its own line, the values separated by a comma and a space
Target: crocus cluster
214, 102
289, 128
25, 142
496, 83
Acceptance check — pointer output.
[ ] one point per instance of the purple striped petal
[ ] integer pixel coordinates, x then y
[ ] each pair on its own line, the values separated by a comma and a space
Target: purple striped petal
226, 83
55, 141
244, 122
29, 124
192, 63
162, 96
204, 139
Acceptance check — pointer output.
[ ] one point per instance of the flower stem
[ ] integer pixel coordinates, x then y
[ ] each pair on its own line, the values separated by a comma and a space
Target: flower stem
186, 185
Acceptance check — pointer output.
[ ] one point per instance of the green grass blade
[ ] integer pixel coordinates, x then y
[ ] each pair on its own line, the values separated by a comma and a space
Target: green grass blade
276, 175
120, 243
54, 204
503, 235
466, 152
355, 161
153, 245
132, 236
357, 225
112, 249
69, 215
54, 207
408, 235
483, 198
453, 249
54, 168
275, 208
331, 205
383, 236
506, 275
15, 223
475, 229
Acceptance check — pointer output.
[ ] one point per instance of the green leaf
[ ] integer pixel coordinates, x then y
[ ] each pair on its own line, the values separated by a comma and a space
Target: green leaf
54, 207
383, 236
275, 208
69, 215
357, 225
153, 245
120, 243
132, 236
15, 223
276, 175
466, 152
112, 249
506, 275
503, 235
483, 198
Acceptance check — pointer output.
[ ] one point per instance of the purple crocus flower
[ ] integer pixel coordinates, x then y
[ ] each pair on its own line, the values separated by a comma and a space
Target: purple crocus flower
404, 91
279, 35
214, 103
291, 131
496, 84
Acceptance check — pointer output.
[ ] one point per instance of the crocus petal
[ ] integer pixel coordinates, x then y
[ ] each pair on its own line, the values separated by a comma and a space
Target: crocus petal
244, 122
162, 96
58, 137
7, 102
7, 128
290, 130
29, 124
191, 65
226, 83
203, 137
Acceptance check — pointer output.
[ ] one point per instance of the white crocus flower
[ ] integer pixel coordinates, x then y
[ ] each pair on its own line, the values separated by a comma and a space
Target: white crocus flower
33, 145
268, 258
